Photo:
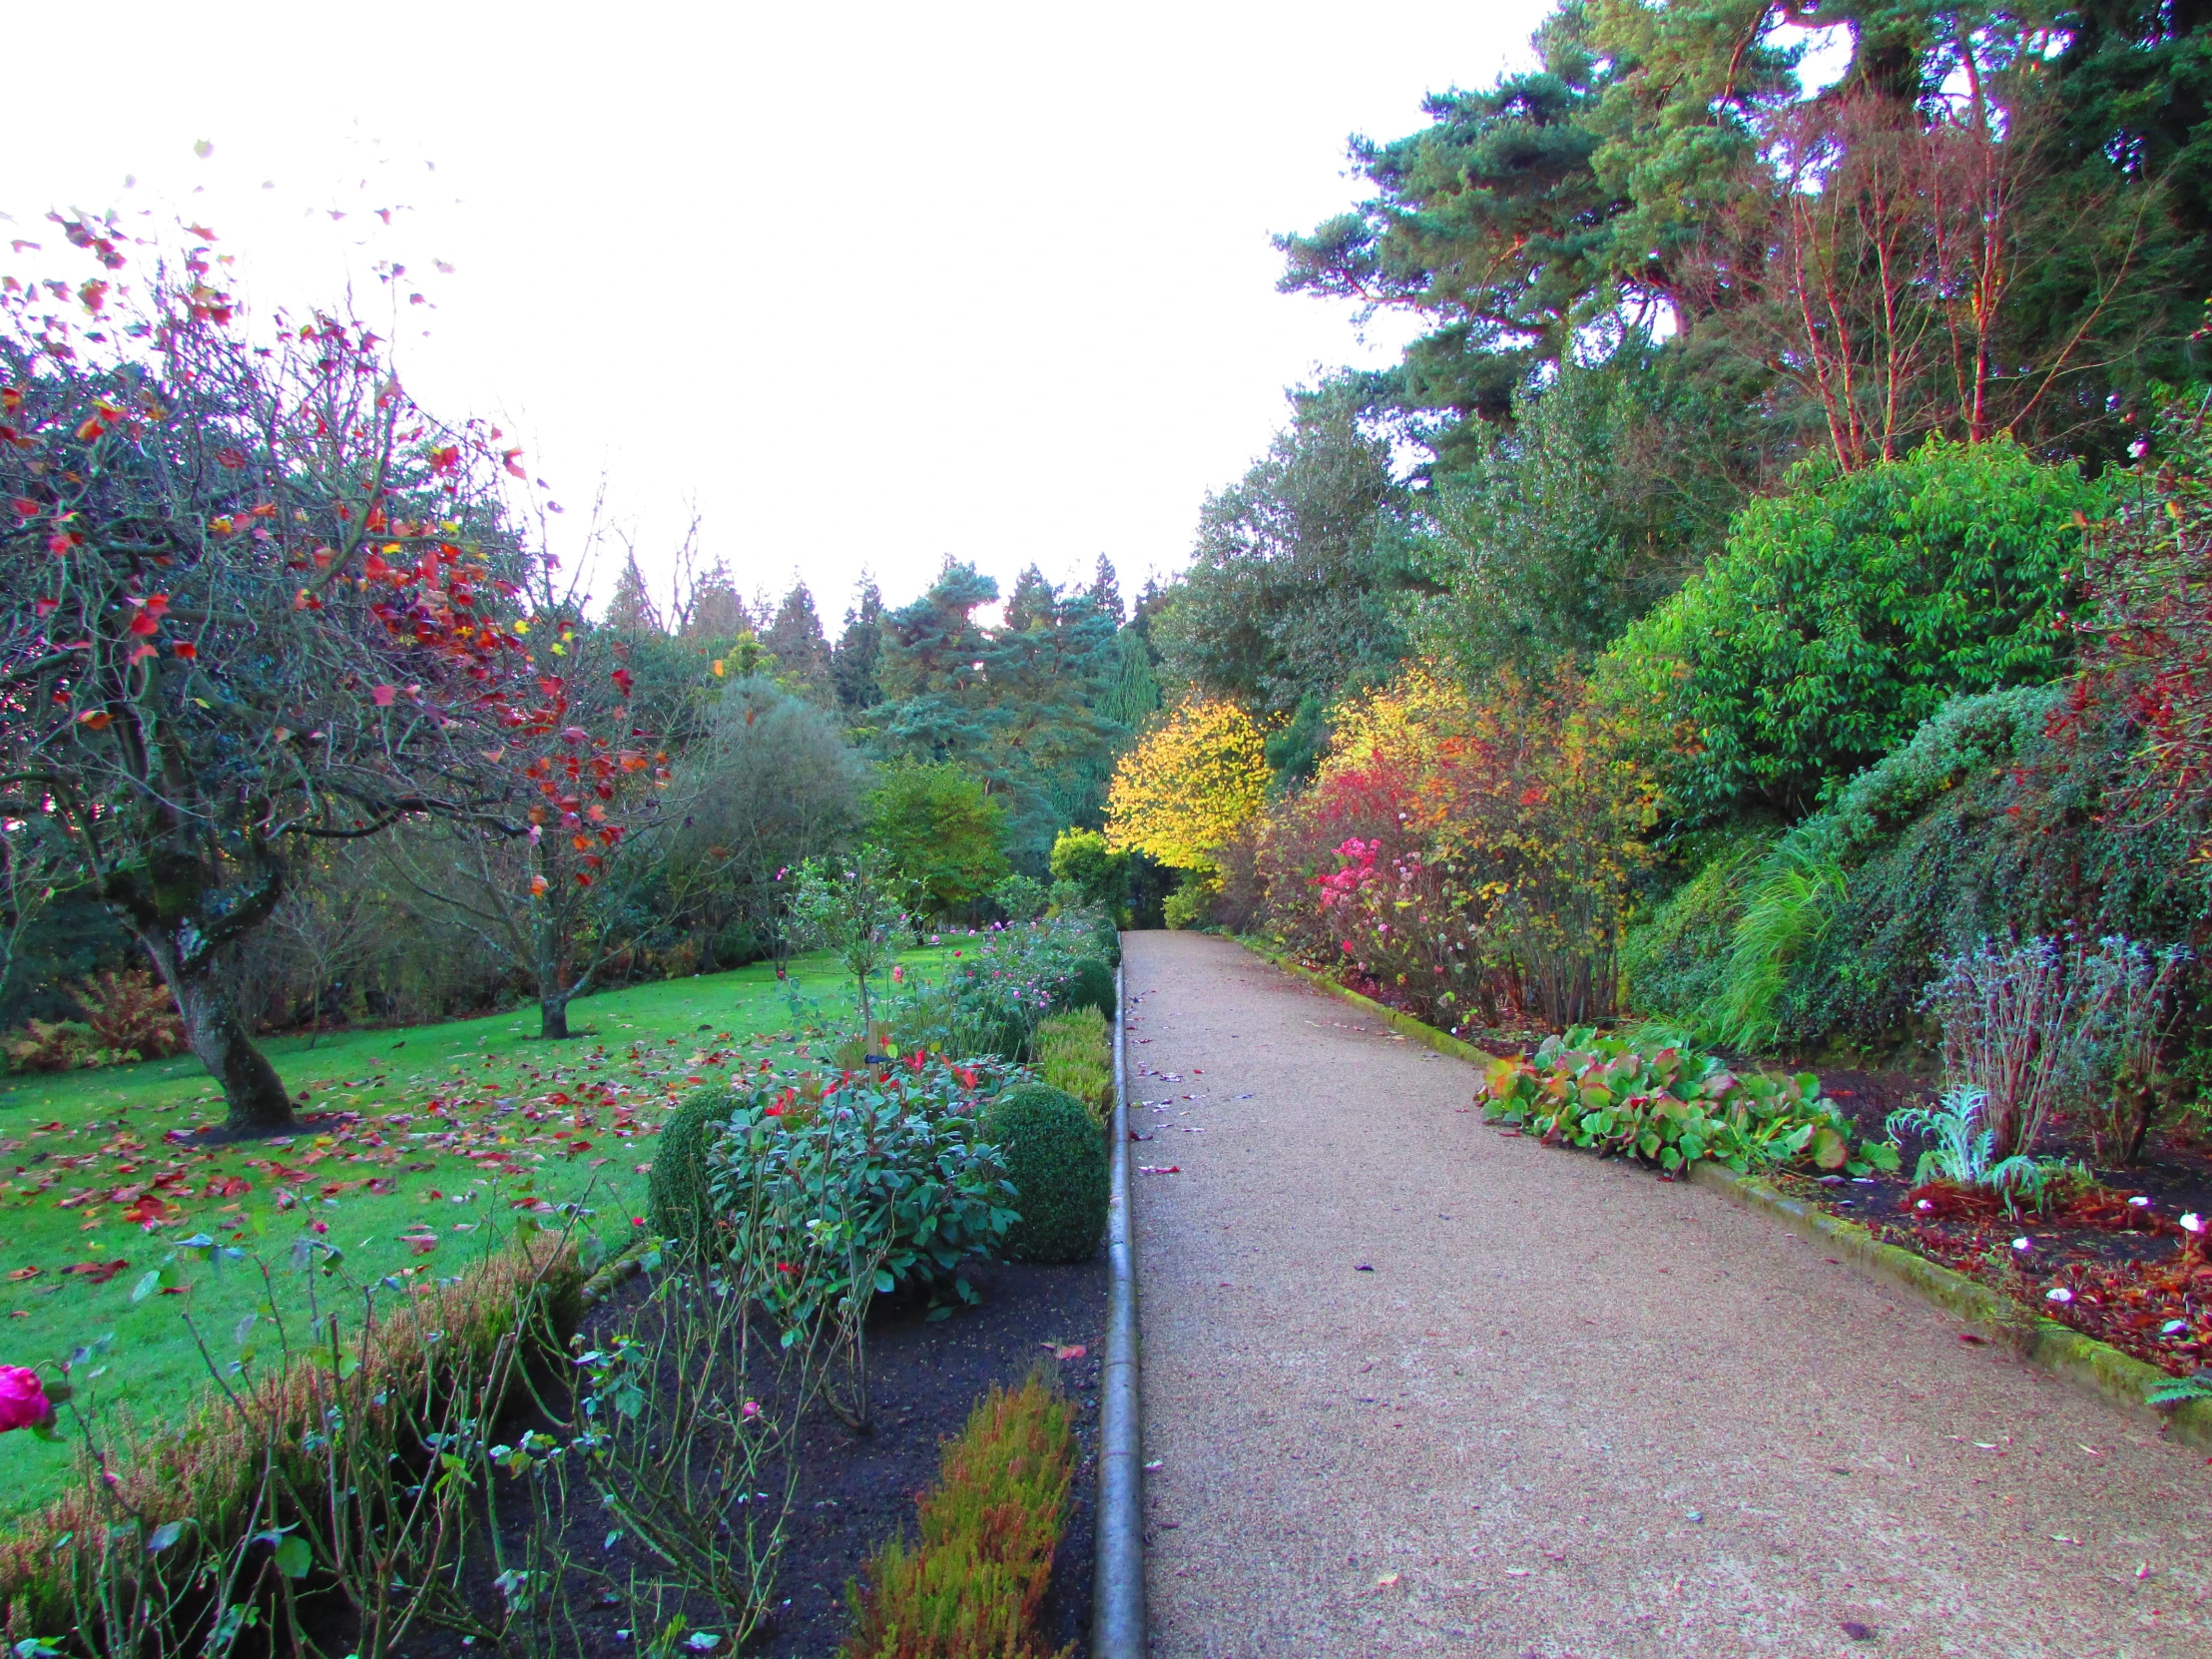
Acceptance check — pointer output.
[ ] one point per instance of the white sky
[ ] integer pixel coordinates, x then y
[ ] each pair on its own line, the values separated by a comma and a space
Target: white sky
865, 284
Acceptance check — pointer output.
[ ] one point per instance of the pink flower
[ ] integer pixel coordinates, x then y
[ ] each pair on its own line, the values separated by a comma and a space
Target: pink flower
898, 974
23, 1401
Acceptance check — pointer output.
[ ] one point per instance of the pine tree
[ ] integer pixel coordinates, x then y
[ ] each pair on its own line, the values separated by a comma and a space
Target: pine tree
860, 652
631, 610
1034, 604
796, 642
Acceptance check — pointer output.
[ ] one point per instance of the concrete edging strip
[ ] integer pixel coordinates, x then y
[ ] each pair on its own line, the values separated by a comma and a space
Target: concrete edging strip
2095, 1367
1116, 1584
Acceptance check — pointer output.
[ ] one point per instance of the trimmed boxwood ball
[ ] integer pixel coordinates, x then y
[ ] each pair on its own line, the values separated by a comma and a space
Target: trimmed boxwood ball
1092, 987
1057, 1159
679, 1203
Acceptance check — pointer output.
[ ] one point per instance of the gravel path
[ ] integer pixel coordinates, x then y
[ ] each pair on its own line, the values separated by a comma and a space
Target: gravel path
1572, 1409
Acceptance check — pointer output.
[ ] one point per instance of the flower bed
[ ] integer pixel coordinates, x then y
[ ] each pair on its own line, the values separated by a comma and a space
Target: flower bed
2132, 1275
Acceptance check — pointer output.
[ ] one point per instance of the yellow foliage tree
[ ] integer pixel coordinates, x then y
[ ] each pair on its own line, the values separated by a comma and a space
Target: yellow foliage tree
1189, 784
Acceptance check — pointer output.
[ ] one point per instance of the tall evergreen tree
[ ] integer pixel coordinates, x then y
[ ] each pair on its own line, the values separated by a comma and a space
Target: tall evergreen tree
795, 639
1134, 695
631, 610
1105, 591
1018, 706
860, 650
1034, 604
1300, 570
716, 610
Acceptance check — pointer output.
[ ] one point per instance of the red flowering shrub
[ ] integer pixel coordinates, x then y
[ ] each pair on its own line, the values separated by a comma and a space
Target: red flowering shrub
1467, 856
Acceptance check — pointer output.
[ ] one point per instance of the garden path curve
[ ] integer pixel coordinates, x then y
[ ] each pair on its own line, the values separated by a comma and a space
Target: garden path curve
1574, 1410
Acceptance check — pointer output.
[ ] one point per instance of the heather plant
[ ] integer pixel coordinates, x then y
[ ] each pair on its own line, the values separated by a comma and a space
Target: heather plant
1075, 1054
971, 1583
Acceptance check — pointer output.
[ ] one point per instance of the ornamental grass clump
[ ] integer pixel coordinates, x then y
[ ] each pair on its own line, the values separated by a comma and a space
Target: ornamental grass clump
1669, 1105
970, 1587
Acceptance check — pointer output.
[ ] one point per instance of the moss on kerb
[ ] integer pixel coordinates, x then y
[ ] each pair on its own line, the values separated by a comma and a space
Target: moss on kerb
2097, 1367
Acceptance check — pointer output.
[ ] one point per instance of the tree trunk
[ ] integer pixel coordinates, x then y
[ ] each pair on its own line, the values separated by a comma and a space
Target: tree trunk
252, 1091
553, 1018
169, 907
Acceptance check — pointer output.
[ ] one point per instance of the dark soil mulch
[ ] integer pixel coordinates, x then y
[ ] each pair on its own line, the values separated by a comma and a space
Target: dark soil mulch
925, 1377
854, 1491
2127, 1266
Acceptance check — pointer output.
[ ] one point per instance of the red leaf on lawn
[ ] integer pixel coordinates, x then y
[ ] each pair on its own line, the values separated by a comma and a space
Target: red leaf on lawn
22, 1272
97, 1273
228, 1186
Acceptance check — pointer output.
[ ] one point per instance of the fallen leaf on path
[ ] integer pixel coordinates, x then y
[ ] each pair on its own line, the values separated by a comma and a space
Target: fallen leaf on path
1386, 1580
1159, 1169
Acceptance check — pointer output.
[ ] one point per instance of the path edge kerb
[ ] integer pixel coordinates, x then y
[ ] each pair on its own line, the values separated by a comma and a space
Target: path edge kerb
1117, 1580
2092, 1366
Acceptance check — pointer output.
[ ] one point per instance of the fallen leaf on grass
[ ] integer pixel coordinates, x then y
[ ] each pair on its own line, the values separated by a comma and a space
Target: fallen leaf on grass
22, 1272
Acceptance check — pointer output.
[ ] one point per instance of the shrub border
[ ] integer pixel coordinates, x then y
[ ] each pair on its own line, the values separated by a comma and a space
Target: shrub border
1116, 1584
2089, 1366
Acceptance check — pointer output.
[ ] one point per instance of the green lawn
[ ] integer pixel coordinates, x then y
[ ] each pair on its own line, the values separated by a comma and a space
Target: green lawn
457, 1124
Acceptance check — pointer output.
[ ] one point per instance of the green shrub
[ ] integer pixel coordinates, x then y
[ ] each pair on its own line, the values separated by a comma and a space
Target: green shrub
870, 1180
1081, 856
1108, 936
1056, 1160
1075, 1055
1668, 1105
1092, 987
1022, 897
1995, 819
1673, 956
53, 1045
971, 1587
1843, 614
675, 1189
1191, 906
991, 999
